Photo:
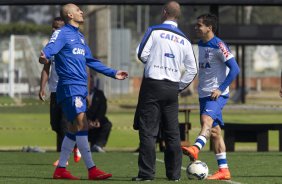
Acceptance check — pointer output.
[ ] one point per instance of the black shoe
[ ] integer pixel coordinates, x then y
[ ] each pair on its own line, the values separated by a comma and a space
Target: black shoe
140, 179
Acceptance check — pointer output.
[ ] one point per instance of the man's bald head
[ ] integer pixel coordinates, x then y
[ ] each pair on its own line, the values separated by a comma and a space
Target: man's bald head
71, 14
66, 10
172, 10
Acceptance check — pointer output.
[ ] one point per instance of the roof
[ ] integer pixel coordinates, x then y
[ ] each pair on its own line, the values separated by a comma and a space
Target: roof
142, 2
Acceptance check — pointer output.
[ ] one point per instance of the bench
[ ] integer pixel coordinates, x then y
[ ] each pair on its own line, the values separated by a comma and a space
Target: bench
184, 128
235, 132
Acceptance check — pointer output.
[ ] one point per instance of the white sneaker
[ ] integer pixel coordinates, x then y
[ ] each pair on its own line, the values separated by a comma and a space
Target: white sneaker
96, 148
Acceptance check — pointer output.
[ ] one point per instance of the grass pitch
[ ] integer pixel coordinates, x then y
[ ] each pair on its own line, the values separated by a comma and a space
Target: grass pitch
246, 167
29, 125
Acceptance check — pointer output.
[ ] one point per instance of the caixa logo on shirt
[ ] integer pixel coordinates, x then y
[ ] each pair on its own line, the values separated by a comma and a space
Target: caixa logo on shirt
172, 37
77, 51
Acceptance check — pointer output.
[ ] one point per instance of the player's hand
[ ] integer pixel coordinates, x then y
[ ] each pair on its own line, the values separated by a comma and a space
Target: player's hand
43, 59
121, 75
94, 124
97, 124
280, 92
42, 95
215, 94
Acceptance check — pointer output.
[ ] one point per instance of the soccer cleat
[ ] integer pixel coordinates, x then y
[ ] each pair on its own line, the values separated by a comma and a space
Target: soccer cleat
191, 151
57, 162
62, 173
96, 174
76, 155
221, 174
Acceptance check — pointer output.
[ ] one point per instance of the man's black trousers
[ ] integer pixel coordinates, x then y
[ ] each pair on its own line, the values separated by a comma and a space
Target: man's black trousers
158, 101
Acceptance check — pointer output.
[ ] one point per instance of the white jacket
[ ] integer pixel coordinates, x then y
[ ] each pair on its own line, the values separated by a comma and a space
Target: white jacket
165, 51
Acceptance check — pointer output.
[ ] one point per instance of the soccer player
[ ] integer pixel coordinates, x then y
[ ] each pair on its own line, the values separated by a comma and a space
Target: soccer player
57, 121
163, 50
280, 92
217, 69
72, 55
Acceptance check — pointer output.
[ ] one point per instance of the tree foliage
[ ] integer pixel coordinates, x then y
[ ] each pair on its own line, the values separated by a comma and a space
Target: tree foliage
24, 28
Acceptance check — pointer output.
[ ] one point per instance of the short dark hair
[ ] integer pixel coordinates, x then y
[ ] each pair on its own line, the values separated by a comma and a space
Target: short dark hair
56, 22
58, 19
209, 20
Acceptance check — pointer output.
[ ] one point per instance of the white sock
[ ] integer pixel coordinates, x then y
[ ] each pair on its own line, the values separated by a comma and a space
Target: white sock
66, 149
200, 142
221, 160
83, 146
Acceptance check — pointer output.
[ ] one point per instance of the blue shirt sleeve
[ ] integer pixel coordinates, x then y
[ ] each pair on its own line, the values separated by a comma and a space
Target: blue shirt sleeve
97, 65
233, 72
55, 44
143, 42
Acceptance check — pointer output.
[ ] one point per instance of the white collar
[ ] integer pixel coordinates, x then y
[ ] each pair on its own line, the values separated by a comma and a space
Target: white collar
170, 22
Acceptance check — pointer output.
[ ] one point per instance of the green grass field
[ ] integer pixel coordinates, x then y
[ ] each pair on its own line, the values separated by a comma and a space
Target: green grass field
28, 124
246, 167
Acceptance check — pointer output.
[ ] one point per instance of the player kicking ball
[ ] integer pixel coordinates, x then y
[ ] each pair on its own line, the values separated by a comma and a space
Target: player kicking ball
217, 70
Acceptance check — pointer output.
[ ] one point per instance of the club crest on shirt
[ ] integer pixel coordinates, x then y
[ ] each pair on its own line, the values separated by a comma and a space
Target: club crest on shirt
78, 103
207, 53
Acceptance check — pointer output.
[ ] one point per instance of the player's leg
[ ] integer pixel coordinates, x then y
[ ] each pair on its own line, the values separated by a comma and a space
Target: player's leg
69, 141
82, 140
207, 114
64, 129
223, 172
67, 147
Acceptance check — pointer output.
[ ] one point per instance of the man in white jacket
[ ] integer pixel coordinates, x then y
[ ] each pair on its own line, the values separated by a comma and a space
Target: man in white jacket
164, 50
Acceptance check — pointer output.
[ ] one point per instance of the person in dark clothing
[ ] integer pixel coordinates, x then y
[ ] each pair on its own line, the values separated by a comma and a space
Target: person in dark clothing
99, 124
163, 50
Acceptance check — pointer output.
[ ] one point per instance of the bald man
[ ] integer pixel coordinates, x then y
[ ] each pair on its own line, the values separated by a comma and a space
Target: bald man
72, 55
163, 50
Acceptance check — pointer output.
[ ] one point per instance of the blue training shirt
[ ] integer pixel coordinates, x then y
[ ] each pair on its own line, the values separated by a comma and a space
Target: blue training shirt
72, 55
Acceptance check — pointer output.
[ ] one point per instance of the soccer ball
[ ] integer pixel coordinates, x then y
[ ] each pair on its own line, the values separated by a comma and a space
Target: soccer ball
197, 170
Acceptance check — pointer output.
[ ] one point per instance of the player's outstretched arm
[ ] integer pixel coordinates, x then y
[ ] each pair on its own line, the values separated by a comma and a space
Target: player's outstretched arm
121, 75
